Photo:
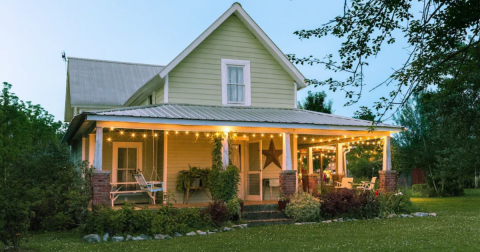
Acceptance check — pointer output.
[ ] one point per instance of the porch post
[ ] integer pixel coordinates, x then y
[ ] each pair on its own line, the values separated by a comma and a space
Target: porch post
100, 179
310, 160
84, 148
165, 167
225, 150
388, 177
286, 153
97, 160
295, 157
340, 173
91, 148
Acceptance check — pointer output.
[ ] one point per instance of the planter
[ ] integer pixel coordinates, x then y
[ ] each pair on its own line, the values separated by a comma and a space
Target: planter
282, 205
241, 207
195, 182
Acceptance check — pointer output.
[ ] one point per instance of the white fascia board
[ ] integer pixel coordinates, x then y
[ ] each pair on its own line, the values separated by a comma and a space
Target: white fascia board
232, 123
259, 34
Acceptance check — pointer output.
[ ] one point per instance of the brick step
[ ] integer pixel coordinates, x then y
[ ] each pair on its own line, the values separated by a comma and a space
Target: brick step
259, 215
266, 207
256, 223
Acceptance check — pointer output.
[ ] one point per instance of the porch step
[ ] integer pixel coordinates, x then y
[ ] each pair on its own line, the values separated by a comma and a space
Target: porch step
265, 207
260, 215
267, 222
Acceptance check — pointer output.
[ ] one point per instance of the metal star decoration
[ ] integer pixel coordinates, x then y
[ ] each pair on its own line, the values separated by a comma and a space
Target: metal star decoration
272, 155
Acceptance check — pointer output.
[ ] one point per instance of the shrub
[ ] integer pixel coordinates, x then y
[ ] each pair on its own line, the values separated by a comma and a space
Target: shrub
303, 207
348, 203
218, 212
421, 189
234, 211
223, 184
127, 220
394, 203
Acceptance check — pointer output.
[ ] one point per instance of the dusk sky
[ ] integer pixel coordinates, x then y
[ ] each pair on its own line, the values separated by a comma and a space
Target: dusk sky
34, 33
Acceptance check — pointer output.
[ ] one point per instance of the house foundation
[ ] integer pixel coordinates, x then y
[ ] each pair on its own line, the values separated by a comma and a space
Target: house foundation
101, 187
388, 180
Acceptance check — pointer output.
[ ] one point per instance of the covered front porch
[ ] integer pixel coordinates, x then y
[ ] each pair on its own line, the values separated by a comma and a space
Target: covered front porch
274, 149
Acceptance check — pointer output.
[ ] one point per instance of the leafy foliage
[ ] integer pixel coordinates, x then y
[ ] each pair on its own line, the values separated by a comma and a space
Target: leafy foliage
365, 161
224, 183
40, 188
234, 210
128, 220
303, 207
434, 29
316, 102
218, 211
394, 203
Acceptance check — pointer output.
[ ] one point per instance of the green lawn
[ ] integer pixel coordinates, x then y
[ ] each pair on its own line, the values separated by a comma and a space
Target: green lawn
456, 228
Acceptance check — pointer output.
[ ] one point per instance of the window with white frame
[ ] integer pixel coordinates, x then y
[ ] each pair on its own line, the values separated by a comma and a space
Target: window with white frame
236, 82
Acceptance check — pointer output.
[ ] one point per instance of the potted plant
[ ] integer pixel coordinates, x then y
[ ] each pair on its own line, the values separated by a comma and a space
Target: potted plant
282, 202
241, 201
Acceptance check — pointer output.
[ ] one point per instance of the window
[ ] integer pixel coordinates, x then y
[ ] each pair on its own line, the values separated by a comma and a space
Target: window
149, 100
236, 82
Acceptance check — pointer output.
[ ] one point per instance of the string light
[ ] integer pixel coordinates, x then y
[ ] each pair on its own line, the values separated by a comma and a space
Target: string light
186, 132
176, 132
244, 135
196, 134
253, 135
156, 135
296, 136
262, 135
111, 128
121, 132
208, 135
166, 132
133, 134
280, 134
144, 135
271, 136
109, 139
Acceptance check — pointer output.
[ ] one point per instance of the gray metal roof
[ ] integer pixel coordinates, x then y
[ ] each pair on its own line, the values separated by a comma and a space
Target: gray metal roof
106, 83
236, 114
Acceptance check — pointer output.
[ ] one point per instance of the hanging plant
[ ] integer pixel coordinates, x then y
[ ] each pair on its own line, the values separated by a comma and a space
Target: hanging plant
185, 178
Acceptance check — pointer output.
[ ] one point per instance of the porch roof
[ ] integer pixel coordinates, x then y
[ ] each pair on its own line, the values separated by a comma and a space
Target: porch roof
205, 115
237, 114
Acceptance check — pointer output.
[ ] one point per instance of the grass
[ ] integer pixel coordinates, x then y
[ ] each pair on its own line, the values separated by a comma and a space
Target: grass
456, 228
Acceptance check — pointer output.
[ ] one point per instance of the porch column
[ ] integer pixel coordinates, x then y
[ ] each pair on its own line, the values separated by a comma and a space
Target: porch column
91, 148
388, 177
100, 179
97, 160
286, 153
340, 173
225, 150
295, 153
310, 160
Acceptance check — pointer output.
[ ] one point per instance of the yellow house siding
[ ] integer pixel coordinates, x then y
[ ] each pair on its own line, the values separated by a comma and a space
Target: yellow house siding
159, 95
182, 151
197, 79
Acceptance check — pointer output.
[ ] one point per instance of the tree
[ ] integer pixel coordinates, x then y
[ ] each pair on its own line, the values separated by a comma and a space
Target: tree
40, 188
439, 37
316, 102
365, 114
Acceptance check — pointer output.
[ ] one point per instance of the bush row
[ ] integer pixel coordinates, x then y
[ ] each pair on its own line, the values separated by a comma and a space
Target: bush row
165, 220
347, 203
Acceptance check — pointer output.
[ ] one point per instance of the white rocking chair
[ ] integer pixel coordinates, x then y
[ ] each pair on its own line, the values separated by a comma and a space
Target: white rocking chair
368, 185
346, 184
149, 188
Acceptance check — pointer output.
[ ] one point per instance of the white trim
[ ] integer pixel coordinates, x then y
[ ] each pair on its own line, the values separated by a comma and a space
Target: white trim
97, 160
115, 146
387, 155
246, 79
91, 148
165, 90
257, 32
295, 94
165, 152
286, 152
233, 124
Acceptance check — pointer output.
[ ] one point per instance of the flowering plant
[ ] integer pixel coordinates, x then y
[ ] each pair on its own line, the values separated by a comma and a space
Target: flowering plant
284, 198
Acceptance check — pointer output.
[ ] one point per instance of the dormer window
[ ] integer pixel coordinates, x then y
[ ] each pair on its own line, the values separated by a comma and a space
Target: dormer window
236, 82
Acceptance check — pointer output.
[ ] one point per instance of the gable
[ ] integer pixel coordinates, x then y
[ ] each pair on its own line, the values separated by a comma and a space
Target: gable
197, 78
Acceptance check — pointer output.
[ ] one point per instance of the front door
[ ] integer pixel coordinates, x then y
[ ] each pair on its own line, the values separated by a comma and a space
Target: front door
127, 160
254, 171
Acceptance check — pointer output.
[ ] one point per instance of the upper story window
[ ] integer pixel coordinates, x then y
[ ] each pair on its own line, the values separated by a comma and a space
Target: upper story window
236, 88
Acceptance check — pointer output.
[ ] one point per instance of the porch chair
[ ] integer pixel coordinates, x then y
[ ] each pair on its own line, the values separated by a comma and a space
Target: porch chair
149, 188
346, 184
368, 185
273, 182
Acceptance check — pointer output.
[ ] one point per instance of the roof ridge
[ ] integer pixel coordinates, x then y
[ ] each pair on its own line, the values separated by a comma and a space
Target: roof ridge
118, 62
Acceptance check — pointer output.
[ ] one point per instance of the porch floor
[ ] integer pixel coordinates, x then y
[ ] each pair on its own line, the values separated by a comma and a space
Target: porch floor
200, 205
